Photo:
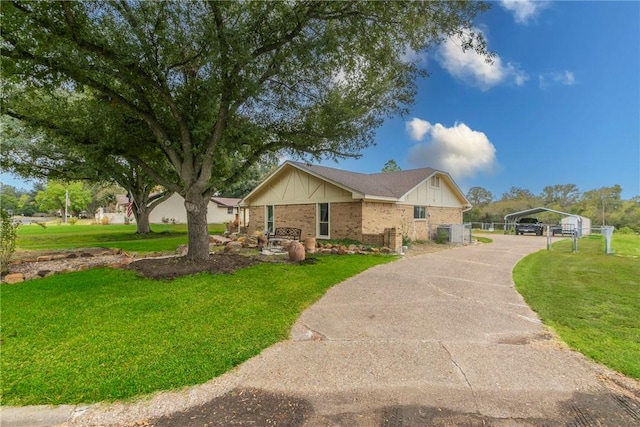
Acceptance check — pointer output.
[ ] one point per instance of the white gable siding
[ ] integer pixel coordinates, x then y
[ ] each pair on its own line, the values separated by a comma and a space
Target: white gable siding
173, 209
427, 195
294, 186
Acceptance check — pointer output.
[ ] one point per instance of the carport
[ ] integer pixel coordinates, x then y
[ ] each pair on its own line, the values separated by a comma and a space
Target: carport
510, 221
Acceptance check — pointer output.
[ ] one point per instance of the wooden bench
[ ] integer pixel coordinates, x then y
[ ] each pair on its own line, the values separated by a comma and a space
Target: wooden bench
281, 234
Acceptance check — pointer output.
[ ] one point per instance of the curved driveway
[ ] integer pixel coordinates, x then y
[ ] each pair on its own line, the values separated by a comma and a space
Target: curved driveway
437, 339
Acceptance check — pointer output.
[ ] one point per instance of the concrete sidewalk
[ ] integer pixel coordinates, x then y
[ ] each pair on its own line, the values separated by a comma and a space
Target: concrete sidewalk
438, 339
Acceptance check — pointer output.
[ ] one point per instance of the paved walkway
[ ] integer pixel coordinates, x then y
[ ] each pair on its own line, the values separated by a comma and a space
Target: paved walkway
437, 339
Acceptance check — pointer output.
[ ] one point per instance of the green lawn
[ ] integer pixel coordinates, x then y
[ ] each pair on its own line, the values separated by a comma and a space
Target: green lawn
164, 237
105, 334
592, 300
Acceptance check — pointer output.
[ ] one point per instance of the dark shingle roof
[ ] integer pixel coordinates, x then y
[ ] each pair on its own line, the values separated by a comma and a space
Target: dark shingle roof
385, 184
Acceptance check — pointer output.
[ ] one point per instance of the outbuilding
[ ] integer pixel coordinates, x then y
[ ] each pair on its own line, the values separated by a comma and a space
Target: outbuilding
572, 222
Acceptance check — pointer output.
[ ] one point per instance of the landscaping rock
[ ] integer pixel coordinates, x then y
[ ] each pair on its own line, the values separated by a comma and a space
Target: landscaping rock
219, 240
182, 250
233, 247
44, 273
13, 278
44, 258
296, 251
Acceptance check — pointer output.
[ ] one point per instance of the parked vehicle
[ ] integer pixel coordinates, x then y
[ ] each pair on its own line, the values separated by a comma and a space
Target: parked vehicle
529, 225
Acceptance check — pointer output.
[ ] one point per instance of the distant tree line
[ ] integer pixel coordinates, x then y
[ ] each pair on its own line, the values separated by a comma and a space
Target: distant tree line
604, 206
50, 197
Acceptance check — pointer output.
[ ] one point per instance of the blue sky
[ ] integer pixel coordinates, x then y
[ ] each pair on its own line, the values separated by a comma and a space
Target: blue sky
560, 105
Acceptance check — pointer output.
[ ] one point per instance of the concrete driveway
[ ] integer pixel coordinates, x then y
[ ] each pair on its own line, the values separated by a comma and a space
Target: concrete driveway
437, 339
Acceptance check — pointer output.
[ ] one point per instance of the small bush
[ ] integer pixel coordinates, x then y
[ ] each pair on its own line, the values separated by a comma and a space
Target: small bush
442, 236
625, 230
73, 220
104, 220
7, 240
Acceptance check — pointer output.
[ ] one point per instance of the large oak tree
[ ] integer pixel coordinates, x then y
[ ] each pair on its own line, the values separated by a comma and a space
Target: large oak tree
221, 84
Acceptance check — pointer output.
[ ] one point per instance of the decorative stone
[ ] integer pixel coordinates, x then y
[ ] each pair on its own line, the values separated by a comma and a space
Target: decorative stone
116, 251
233, 247
13, 278
219, 240
310, 244
86, 255
296, 251
44, 273
182, 250
70, 256
44, 258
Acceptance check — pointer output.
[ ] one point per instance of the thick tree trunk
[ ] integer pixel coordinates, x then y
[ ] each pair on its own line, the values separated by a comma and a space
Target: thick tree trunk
142, 221
197, 225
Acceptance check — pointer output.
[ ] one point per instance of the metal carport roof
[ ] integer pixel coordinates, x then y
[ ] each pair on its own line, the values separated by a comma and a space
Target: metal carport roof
511, 219
533, 211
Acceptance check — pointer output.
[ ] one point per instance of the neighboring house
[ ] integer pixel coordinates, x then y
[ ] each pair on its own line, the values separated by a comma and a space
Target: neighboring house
117, 216
219, 211
379, 209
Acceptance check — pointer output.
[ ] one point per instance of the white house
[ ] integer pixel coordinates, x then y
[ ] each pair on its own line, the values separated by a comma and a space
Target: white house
220, 210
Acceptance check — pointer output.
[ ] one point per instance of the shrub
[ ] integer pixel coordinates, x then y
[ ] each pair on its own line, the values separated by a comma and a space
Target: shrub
7, 240
625, 230
442, 235
73, 220
104, 220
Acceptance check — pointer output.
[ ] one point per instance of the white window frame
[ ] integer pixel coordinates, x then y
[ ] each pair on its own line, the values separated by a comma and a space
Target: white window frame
318, 221
435, 181
266, 218
424, 210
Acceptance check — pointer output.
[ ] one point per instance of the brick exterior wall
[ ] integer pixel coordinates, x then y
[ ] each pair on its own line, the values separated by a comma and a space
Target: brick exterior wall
297, 216
345, 220
368, 222
256, 219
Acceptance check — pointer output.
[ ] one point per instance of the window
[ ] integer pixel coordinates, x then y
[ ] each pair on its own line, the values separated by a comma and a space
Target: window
323, 220
230, 211
269, 219
419, 212
435, 181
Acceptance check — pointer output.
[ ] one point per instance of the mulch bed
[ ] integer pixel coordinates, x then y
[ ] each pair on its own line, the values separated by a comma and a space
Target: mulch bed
172, 267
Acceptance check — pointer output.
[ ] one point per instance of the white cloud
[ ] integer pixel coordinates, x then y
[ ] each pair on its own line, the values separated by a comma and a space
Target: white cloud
566, 78
459, 150
417, 128
472, 68
524, 10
